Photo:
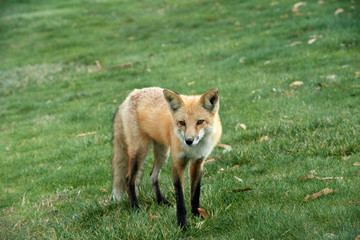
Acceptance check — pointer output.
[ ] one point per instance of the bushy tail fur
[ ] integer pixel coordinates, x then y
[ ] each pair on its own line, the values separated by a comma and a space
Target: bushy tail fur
120, 160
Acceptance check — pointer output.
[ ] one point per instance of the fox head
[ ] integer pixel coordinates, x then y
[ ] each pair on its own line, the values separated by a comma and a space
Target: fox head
193, 116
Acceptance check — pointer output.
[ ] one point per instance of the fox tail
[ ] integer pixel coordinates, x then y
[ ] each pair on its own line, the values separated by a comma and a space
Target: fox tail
120, 159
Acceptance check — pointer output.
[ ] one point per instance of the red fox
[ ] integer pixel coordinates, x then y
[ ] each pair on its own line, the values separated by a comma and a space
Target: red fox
189, 126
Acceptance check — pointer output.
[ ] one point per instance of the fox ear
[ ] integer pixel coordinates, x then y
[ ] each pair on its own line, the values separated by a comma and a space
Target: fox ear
173, 100
210, 100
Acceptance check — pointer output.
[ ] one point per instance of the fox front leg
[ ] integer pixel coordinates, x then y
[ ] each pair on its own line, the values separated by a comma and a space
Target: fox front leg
178, 179
196, 168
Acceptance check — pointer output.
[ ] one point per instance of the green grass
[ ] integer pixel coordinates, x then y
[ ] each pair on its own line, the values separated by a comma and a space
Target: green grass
50, 178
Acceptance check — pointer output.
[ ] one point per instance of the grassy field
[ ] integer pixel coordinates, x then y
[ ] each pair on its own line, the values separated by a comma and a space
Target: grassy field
66, 65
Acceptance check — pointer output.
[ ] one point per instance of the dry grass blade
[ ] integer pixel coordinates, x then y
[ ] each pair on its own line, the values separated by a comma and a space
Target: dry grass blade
210, 161
239, 179
153, 217
84, 134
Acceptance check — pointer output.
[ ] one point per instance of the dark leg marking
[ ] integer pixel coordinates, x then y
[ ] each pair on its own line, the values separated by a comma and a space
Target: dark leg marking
180, 205
159, 196
130, 184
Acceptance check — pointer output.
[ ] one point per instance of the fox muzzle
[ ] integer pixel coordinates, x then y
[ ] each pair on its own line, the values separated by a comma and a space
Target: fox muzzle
189, 141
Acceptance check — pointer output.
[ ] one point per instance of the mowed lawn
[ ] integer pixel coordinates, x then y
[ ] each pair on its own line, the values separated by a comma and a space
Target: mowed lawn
288, 74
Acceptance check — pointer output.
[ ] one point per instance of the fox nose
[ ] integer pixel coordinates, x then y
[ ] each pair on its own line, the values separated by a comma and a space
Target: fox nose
189, 141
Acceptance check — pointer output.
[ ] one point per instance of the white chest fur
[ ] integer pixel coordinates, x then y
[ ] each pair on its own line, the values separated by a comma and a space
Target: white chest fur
199, 151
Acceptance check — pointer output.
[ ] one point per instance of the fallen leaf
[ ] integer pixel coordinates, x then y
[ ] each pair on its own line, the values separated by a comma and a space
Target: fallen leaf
227, 148
306, 177
191, 83
295, 43
203, 213
265, 138
353, 202
311, 41
242, 189
103, 190
357, 164
242, 60
331, 77
321, 2
357, 74
297, 5
338, 11
239, 179
357, 238
325, 191
243, 126
235, 166
296, 83
84, 134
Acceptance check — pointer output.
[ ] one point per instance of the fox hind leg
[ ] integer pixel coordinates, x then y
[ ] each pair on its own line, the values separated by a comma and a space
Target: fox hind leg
136, 160
161, 155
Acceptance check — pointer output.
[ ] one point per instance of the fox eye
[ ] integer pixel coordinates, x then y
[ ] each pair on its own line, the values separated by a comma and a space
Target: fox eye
200, 122
182, 123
